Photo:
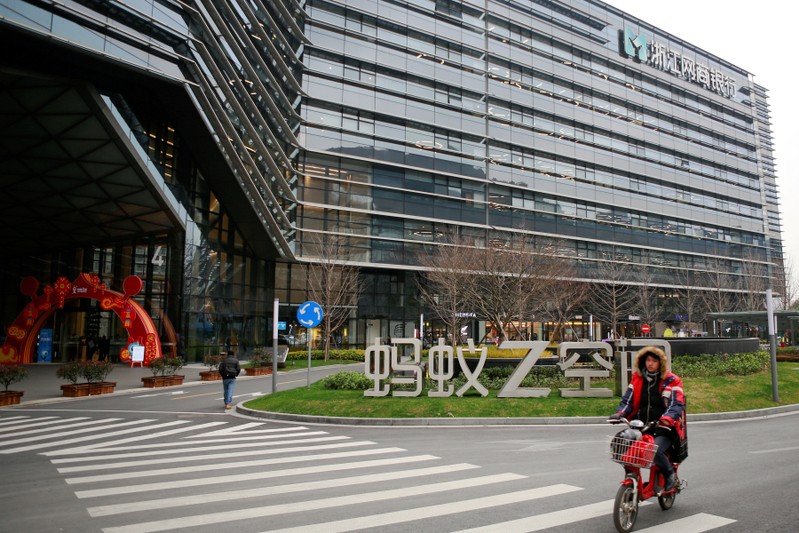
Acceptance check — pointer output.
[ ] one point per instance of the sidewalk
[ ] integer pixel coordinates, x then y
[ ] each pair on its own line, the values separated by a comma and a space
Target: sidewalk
43, 386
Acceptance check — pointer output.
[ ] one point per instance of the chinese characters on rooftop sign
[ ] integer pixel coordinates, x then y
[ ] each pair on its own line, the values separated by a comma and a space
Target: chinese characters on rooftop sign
658, 55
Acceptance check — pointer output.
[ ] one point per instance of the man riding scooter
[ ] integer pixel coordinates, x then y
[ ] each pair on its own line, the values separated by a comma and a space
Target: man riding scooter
656, 394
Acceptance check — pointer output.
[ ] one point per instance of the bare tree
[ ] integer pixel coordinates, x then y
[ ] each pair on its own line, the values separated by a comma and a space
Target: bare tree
445, 283
786, 284
645, 302
753, 282
511, 277
563, 294
334, 282
611, 293
688, 297
718, 298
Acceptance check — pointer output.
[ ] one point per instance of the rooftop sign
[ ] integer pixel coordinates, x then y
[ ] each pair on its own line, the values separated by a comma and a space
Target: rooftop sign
645, 49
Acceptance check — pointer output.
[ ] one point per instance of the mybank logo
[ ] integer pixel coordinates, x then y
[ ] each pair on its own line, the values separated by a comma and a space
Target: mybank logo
658, 54
634, 45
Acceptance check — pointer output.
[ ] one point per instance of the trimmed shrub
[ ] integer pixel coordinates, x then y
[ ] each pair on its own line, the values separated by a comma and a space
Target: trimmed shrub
347, 381
705, 366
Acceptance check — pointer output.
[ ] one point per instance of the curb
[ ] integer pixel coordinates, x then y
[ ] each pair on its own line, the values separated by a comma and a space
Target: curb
533, 421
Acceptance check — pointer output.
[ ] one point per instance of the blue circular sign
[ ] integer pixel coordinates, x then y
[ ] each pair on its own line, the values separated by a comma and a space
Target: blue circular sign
310, 314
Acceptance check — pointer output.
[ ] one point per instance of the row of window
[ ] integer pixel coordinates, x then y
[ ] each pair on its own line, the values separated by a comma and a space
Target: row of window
540, 123
422, 194
534, 167
400, 242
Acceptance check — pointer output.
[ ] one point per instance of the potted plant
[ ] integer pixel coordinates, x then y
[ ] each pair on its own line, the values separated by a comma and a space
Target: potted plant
72, 372
173, 364
164, 372
260, 364
95, 373
212, 362
11, 374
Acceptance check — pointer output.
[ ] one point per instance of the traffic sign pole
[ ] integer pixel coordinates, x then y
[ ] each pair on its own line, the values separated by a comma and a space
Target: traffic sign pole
274, 345
308, 336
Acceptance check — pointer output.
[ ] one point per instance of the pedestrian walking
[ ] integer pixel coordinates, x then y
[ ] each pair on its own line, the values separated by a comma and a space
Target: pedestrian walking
229, 368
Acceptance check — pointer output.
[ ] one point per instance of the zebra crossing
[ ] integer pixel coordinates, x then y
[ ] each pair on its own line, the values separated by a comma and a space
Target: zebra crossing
135, 476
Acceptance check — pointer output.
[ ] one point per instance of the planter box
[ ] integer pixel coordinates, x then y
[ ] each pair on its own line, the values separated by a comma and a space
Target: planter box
104, 387
258, 371
162, 381
75, 390
11, 397
210, 375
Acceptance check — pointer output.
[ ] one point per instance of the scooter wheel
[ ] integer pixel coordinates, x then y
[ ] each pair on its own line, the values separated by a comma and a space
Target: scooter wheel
626, 509
667, 500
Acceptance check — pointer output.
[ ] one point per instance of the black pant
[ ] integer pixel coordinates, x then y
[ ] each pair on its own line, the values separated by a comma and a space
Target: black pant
663, 443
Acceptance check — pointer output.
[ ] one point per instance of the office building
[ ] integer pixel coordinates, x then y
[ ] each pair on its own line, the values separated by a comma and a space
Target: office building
203, 145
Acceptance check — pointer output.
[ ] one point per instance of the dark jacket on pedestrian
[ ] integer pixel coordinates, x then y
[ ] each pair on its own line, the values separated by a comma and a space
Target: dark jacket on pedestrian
229, 367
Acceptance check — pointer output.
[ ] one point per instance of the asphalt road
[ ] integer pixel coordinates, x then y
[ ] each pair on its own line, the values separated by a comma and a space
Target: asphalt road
172, 460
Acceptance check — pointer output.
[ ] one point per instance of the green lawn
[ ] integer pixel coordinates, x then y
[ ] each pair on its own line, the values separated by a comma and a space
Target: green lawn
709, 395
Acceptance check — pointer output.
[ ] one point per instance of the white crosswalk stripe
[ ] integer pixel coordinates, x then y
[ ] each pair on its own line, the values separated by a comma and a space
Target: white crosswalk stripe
137, 476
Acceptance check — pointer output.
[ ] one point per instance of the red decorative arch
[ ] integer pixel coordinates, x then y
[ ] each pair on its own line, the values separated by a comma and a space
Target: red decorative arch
20, 343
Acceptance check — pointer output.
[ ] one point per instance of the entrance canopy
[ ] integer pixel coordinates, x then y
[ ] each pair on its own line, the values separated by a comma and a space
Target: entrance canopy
786, 319
69, 176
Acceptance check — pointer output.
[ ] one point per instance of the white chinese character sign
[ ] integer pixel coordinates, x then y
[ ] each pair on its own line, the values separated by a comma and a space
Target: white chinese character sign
401, 365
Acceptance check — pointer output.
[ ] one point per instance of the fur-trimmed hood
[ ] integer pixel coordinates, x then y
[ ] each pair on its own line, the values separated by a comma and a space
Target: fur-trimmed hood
640, 365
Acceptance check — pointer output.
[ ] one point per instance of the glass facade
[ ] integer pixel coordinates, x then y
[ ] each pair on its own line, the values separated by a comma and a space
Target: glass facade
428, 118
398, 124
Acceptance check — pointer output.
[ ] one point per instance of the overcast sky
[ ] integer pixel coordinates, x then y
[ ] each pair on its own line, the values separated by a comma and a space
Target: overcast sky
757, 37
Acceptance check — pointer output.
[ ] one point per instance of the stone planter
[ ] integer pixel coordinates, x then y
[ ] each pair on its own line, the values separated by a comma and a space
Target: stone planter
161, 381
75, 390
210, 375
258, 370
10, 397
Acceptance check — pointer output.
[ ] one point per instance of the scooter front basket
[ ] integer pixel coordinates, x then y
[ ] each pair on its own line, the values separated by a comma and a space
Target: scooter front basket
637, 453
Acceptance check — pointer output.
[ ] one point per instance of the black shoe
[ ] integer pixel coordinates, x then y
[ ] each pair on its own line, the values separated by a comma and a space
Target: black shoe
671, 481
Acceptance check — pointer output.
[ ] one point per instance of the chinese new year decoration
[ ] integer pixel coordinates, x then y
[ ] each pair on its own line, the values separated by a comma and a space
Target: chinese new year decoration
21, 339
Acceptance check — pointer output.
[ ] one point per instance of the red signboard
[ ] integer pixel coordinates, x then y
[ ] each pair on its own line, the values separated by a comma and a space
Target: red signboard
645, 328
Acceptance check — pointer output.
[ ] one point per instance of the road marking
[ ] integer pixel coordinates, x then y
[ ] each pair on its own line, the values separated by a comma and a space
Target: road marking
169, 460
201, 499
243, 428
170, 485
328, 456
190, 396
234, 438
98, 446
777, 450
154, 394
27, 423
77, 431
12, 420
171, 451
198, 520
191, 469
433, 511
547, 520
691, 524
81, 439
67, 426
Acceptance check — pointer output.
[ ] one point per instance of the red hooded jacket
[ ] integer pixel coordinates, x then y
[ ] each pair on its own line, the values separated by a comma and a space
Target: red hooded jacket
670, 390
